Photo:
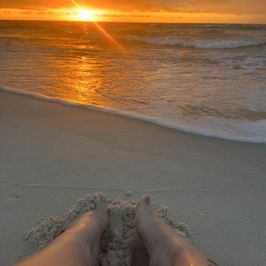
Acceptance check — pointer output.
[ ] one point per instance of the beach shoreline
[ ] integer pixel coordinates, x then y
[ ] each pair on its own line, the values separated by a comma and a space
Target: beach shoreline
52, 154
134, 116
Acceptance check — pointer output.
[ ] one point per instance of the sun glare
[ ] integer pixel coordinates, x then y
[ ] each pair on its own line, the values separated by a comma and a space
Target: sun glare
85, 15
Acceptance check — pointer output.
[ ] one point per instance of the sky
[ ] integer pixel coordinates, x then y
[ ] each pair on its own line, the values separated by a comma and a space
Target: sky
193, 11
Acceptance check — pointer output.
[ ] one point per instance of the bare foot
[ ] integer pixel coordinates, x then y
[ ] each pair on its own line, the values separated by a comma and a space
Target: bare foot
79, 245
164, 245
89, 229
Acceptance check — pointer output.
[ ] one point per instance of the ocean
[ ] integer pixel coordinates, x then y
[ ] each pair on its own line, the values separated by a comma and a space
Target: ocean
207, 79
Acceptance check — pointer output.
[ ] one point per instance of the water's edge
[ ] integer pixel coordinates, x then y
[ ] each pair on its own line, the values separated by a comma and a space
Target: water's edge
127, 115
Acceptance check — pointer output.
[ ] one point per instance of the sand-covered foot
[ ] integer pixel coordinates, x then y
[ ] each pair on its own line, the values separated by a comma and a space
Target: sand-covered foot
89, 228
164, 245
154, 234
78, 245
90, 224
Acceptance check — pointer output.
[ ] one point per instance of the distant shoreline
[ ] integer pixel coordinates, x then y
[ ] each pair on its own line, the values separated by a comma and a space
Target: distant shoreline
118, 22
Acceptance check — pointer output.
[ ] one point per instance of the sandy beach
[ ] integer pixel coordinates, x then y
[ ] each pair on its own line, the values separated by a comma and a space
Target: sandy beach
51, 155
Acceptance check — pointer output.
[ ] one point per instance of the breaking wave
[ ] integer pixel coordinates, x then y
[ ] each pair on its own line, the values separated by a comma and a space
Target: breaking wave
203, 44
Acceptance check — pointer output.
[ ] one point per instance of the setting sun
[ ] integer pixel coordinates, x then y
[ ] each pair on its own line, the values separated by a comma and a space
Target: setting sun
85, 15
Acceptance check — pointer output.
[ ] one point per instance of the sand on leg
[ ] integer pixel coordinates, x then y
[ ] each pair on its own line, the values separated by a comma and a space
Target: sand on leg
164, 245
78, 246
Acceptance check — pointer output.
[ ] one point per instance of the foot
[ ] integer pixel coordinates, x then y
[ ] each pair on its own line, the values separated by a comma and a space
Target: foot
91, 224
164, 245
89, 229
78, 245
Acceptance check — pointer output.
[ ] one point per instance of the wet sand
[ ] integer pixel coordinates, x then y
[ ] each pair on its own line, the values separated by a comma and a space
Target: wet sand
51, 155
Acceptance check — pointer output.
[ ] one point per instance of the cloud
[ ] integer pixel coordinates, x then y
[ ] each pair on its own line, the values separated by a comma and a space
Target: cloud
215, 6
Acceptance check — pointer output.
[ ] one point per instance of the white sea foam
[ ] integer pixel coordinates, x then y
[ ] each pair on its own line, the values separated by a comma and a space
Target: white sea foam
256, 131
211, 91
204, 44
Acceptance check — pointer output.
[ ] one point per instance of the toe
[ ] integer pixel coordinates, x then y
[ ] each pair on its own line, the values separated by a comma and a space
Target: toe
147, 200
144, 202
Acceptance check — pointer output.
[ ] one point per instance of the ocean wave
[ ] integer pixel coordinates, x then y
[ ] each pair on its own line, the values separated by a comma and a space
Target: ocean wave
203, 44
252, 138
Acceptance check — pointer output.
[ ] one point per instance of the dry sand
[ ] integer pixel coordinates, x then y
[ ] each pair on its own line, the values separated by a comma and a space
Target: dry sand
51, 155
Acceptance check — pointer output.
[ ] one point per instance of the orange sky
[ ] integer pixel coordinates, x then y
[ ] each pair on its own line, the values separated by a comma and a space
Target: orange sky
201, 11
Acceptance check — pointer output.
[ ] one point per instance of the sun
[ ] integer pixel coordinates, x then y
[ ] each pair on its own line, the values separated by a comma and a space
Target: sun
85, 15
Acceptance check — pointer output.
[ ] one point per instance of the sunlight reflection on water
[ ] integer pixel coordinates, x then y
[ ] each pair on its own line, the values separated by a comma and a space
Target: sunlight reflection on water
207, 90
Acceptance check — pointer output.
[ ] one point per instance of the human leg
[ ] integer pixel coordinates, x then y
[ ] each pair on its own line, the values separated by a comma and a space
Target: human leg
164, 245
78, 246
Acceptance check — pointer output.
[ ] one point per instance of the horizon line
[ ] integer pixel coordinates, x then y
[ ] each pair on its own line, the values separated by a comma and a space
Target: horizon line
133, 22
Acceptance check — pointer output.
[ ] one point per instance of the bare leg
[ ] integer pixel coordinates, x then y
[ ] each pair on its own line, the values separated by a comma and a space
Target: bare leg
164, 245
78, 246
